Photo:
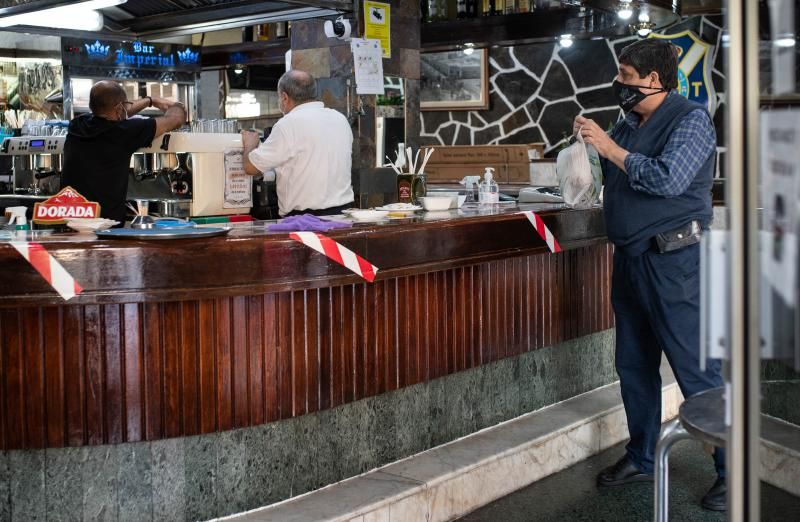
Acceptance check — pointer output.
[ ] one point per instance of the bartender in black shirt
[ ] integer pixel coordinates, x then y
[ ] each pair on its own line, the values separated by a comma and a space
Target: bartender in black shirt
98, 148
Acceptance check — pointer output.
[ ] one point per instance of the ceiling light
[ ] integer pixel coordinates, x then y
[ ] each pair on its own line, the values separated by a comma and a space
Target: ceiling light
624, 11
469, 48
80, 16
644, 26
644, 17
784, 40
566, 40
238, 70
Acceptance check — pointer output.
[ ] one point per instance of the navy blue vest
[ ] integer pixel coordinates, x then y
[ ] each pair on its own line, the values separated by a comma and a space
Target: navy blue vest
634, 217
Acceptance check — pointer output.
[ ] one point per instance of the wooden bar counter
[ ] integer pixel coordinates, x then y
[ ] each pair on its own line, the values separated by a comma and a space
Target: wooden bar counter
186, 337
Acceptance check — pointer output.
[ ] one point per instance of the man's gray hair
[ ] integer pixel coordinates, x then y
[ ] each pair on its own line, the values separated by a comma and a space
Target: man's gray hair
299, 86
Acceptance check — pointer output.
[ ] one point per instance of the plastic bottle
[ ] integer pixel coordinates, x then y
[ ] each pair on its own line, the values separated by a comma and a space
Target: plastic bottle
471, 184
489, 192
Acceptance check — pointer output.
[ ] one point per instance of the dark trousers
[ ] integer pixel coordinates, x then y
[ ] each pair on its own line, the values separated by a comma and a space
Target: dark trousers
332, 211
656, 300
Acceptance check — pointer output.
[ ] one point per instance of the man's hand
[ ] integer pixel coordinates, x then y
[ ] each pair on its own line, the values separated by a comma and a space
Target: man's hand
250, 142
598, 138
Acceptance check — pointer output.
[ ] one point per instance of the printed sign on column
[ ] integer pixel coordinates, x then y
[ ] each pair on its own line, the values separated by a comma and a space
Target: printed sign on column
377, 25
238, 184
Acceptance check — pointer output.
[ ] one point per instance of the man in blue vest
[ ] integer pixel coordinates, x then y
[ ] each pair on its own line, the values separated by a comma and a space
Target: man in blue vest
658, 164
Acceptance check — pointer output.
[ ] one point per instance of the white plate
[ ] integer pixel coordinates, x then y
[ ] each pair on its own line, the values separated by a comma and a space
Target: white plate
369, 215
90, 224
400, 207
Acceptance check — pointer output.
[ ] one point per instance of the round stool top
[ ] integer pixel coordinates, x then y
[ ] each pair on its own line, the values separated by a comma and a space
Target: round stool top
703, 415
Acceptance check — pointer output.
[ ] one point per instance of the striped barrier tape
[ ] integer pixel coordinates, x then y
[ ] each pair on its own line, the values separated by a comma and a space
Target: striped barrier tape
337, 252
50, 269
543, 231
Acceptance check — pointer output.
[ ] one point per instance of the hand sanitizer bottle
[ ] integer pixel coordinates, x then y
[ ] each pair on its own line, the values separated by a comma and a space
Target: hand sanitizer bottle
489, 193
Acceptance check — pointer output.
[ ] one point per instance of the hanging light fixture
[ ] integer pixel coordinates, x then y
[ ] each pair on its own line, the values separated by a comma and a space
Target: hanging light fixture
80, 16
624, 11
469, 48
644, 26
566, 40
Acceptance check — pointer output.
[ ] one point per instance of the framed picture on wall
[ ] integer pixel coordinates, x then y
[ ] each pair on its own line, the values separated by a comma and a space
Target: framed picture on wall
455, 80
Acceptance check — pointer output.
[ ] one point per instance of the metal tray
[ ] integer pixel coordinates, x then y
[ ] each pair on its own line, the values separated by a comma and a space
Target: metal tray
161, 233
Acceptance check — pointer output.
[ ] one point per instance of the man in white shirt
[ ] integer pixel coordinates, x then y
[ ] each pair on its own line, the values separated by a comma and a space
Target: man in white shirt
309, 148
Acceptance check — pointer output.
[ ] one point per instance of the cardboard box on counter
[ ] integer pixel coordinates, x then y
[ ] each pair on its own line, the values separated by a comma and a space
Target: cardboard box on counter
516, 173
483, 154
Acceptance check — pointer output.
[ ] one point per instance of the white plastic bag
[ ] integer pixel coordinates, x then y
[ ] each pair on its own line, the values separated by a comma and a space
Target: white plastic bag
579, 174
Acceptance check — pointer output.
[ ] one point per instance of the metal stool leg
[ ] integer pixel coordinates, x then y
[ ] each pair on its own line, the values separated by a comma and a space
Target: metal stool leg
672, 433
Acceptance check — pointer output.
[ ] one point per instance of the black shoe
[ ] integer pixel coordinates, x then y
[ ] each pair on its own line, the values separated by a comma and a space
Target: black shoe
623, 472
715, 499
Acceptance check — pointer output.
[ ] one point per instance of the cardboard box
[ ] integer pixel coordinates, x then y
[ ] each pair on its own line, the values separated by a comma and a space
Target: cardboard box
462, 154
516, 173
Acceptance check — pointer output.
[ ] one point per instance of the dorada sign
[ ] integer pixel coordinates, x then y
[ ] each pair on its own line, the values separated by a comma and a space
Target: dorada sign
67, 204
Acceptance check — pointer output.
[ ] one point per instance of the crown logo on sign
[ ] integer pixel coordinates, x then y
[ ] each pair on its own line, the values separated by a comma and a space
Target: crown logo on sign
97, 50
187, 56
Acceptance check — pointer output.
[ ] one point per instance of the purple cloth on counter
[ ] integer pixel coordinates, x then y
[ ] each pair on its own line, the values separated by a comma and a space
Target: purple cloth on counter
307, 222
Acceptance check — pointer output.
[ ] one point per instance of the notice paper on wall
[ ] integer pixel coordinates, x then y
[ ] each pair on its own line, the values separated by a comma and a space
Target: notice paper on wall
238, 184
368, 64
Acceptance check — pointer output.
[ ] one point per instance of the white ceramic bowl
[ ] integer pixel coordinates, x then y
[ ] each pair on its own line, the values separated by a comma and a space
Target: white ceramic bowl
433, 203
369, 215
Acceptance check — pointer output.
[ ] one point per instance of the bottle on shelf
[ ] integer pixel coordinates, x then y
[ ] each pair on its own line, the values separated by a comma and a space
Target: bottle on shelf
433, 10
462, 9
451, 9
282, 30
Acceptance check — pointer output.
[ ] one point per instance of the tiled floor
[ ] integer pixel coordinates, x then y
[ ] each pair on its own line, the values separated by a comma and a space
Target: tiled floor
571, 495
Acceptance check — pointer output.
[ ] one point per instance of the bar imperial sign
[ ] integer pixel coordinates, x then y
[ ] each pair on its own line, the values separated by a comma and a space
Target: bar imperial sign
129, 55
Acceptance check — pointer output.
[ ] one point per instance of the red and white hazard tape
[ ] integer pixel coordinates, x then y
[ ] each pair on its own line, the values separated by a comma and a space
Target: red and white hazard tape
337, 252
50, 269
543, 231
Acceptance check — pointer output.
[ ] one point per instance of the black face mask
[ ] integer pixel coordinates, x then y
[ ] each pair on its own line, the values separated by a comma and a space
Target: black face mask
629, 96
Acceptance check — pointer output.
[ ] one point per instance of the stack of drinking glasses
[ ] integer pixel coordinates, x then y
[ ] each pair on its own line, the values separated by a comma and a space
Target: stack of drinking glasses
220, 126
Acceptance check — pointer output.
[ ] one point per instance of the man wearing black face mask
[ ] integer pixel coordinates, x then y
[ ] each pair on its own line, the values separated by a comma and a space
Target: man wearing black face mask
98, 148
658, 163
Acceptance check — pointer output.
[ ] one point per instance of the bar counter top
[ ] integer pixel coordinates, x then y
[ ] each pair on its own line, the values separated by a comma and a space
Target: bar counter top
251, 260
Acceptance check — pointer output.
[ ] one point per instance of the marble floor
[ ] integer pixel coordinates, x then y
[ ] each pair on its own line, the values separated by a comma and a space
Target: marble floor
571, 495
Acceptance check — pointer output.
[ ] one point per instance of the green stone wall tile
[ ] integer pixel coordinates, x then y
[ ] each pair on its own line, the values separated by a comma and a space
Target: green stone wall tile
134, 479
99, 481
64, 483
168, 477
27, 485
201, 489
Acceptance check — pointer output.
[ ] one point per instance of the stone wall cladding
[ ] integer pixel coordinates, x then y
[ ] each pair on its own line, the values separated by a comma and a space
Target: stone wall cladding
536, 90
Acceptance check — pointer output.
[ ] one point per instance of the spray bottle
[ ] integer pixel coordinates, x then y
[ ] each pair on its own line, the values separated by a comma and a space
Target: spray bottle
489, 191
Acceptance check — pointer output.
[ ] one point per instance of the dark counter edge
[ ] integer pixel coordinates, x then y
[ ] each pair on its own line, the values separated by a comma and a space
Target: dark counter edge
448, 244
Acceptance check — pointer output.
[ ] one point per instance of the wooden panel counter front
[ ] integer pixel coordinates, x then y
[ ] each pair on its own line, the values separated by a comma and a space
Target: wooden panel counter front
185, 337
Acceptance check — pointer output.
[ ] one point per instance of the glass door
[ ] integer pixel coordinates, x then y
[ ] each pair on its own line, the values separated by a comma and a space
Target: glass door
763, 199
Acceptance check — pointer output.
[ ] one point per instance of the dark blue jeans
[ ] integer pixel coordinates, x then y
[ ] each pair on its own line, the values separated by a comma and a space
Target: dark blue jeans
656, 300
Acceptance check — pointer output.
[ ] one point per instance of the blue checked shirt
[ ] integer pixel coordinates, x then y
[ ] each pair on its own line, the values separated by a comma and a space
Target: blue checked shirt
671, 173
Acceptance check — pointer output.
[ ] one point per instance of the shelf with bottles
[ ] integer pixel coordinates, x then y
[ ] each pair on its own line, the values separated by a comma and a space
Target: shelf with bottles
449, 10
539, 25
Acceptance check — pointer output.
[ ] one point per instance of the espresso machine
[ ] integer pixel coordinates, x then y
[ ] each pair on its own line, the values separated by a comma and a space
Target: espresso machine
187, 171
36, 164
